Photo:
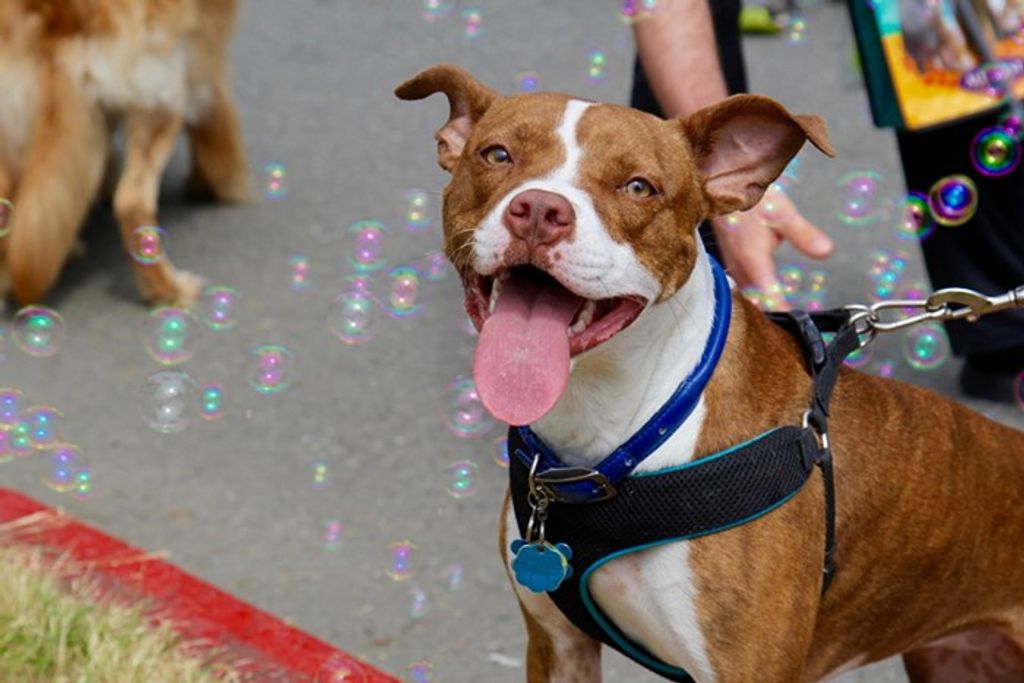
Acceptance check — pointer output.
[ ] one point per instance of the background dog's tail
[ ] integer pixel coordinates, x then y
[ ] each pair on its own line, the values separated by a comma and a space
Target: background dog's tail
62, 170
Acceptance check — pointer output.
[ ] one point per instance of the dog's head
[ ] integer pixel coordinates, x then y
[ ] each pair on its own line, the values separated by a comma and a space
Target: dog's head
567, 219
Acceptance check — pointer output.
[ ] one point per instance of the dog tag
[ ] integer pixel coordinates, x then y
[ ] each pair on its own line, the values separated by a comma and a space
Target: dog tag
541, 567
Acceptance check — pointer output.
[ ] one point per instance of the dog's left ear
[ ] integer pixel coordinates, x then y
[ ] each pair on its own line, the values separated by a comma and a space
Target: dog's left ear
468, 99
743, 143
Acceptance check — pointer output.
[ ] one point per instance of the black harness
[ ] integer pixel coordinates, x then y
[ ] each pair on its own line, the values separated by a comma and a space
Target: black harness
713, 494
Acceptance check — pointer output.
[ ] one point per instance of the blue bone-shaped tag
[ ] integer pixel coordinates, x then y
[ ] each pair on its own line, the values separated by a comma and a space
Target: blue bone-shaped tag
541, 567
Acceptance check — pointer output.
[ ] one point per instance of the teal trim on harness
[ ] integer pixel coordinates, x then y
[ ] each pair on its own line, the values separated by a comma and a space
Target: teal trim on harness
635, 651
708, 458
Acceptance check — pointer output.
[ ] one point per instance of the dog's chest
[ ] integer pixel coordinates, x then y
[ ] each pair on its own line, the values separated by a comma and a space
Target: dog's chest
19, 85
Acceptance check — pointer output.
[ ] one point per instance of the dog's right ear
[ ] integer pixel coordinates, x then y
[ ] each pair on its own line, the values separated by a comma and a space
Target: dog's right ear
468, 99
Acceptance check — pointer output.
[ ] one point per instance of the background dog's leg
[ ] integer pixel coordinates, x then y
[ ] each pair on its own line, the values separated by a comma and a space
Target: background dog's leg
149, 139
219, 167
58, 182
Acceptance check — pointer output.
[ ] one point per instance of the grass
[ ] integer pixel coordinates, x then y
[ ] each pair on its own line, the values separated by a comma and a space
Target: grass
56, 628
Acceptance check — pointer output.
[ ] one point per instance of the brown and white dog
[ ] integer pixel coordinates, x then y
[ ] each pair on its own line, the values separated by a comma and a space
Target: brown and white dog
73, 71
573, 225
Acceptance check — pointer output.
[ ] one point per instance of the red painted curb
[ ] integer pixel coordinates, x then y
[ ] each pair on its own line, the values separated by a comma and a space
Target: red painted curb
198, 610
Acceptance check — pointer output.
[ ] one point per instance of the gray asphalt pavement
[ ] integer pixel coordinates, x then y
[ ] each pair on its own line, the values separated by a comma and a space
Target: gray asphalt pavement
295, 499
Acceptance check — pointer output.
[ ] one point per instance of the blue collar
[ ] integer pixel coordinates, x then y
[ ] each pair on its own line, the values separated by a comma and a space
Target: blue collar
577, 485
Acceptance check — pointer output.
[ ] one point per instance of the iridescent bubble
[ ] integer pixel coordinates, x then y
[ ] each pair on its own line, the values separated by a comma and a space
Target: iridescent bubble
953, 200
148, 244
170, 335
275, 177
436, 266
405, 293
915, 291
271, 367
421, 672
1018, 389
796, 30
11, 406
167, 401
860, 197
499, 451
82, 488
39, 331
775, 207
298, 266
631, 11
461, 479
916, 224
884, 368
597, 66
401, 556
790, 175
333, 532
352, 318
419, 603
417, 210
453, 577
219, 308
859, 358
321, 474
63, 464
44, 425
211, 402
886, 273
527, 81
995, 151
340, 669
462, 412
21, 438
472, 23
1012, 121
770, 300
6, 213
368, 237
926, 346
432, 10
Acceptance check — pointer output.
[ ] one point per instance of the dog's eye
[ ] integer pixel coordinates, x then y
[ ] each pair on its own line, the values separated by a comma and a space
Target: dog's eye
640, 188
496, 154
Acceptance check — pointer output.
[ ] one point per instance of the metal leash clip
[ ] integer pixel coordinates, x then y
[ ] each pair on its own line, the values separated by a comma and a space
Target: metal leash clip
952, 303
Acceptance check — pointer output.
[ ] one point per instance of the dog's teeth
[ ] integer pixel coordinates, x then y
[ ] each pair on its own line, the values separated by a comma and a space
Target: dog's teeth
585, 317
495, 291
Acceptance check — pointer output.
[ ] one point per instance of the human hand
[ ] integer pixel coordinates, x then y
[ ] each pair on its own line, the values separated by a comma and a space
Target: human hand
749, 238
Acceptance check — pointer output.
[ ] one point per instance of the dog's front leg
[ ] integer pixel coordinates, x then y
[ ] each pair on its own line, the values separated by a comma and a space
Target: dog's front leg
556, 651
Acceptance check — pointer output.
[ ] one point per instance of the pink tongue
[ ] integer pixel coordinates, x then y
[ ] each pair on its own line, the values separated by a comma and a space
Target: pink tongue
521, 366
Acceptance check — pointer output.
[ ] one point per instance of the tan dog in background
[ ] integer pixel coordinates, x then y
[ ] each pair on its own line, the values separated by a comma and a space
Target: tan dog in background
74, 71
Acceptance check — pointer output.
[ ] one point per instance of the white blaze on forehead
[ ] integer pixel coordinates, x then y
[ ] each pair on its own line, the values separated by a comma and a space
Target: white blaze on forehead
591, 263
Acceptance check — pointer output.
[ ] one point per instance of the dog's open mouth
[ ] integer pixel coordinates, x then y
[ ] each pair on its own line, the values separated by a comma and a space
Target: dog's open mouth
530, 326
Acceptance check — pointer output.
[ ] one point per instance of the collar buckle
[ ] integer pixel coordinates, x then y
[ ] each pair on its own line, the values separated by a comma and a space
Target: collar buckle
562, 484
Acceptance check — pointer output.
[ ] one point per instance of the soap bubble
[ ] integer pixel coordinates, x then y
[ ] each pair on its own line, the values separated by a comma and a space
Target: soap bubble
527, 81
432, 10
886, 273
631, 11
796, 30
321, 474
39, 331
435, 266
462, 412
995, 151
953, 200
20, 438
6, 214
219, 308
368, 237
774, 208
597, 66
417, 210
499, 451
275, 181
352, 318
462, 479
148, 244
339, 669
860, 196
419, 603
803, 288
211, 401
472, 23
64, 462
401, 556
271, 367
170, 335
884, 368
298, 266
926, 347
167, 401
405, 294
421, 672
44, 425
11, 406
859, 357
916, 223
